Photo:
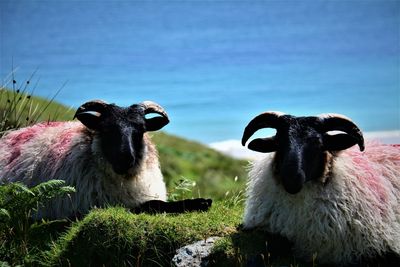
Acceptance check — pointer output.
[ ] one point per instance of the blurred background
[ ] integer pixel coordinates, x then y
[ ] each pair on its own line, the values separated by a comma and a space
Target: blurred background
213, 65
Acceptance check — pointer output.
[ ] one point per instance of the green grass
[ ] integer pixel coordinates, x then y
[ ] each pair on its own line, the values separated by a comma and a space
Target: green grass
114, 237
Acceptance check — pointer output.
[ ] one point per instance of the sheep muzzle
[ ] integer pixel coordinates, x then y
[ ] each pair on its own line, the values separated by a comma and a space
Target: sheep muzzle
292, 175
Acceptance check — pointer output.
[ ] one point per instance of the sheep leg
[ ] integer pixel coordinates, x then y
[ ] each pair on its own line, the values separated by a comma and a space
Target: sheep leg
187, 205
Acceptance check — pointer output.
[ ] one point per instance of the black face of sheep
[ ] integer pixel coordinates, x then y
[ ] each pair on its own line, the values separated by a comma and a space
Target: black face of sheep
121, 130
302, 144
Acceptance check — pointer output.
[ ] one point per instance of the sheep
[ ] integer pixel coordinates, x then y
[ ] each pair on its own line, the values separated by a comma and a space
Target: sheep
107, 156
341, 205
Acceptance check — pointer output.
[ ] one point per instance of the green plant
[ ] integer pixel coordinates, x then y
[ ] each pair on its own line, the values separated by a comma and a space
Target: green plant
18, 108
18, 204
236, 196
182, 189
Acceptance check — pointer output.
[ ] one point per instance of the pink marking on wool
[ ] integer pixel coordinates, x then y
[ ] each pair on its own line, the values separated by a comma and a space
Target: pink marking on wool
370, 176
15, 140
23, 135
370, 169
63, 143
59, 150
20, 138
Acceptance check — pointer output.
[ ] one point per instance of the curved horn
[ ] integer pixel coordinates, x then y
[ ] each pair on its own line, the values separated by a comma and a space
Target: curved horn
155, 123
90, 112
152, 107
94, 105
338, 122
269, 119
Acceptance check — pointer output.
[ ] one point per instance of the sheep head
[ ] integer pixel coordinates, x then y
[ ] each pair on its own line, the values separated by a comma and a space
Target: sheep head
302, 144
121, 129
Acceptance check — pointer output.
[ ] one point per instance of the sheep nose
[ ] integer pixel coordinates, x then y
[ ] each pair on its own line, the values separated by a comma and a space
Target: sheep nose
292, 172
123, 163
293, 181
293, 186
122, 168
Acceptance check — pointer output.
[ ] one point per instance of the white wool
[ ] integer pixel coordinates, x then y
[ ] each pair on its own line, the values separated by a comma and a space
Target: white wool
340, 220
83, 167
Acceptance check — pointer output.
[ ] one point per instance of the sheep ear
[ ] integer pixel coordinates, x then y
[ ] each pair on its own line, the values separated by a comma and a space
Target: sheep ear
338, 142
90, 113
154, 123
264, 145
90, 119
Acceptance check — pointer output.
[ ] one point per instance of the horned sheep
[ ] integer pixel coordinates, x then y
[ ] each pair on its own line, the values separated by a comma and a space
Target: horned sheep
341, 205
107, 156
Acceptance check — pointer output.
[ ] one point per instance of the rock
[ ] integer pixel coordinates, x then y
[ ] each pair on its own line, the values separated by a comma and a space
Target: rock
194, 255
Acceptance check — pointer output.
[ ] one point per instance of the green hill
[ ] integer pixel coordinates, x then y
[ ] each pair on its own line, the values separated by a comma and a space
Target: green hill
215, 175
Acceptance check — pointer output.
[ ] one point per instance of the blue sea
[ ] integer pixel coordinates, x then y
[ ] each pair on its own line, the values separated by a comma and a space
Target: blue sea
213, 65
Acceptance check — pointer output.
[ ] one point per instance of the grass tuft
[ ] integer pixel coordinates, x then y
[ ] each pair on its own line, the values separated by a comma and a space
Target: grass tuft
115, 237
18, 108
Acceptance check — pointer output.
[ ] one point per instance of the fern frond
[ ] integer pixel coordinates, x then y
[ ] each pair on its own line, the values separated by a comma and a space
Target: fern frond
4, 215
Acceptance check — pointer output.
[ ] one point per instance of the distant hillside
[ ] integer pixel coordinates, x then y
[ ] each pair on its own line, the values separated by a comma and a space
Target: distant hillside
214, 173
189, 168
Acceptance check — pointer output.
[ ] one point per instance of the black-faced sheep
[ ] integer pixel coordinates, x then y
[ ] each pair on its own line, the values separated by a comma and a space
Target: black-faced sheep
343, 206
107, 156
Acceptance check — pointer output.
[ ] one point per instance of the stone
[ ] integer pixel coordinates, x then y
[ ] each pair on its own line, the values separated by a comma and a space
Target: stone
194, 255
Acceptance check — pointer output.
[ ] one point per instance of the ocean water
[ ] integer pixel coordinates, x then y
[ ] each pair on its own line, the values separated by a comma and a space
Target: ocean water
213, 65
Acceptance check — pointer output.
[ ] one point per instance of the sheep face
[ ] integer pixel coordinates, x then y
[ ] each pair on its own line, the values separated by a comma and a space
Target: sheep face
302, 145
121, 130
299, 156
